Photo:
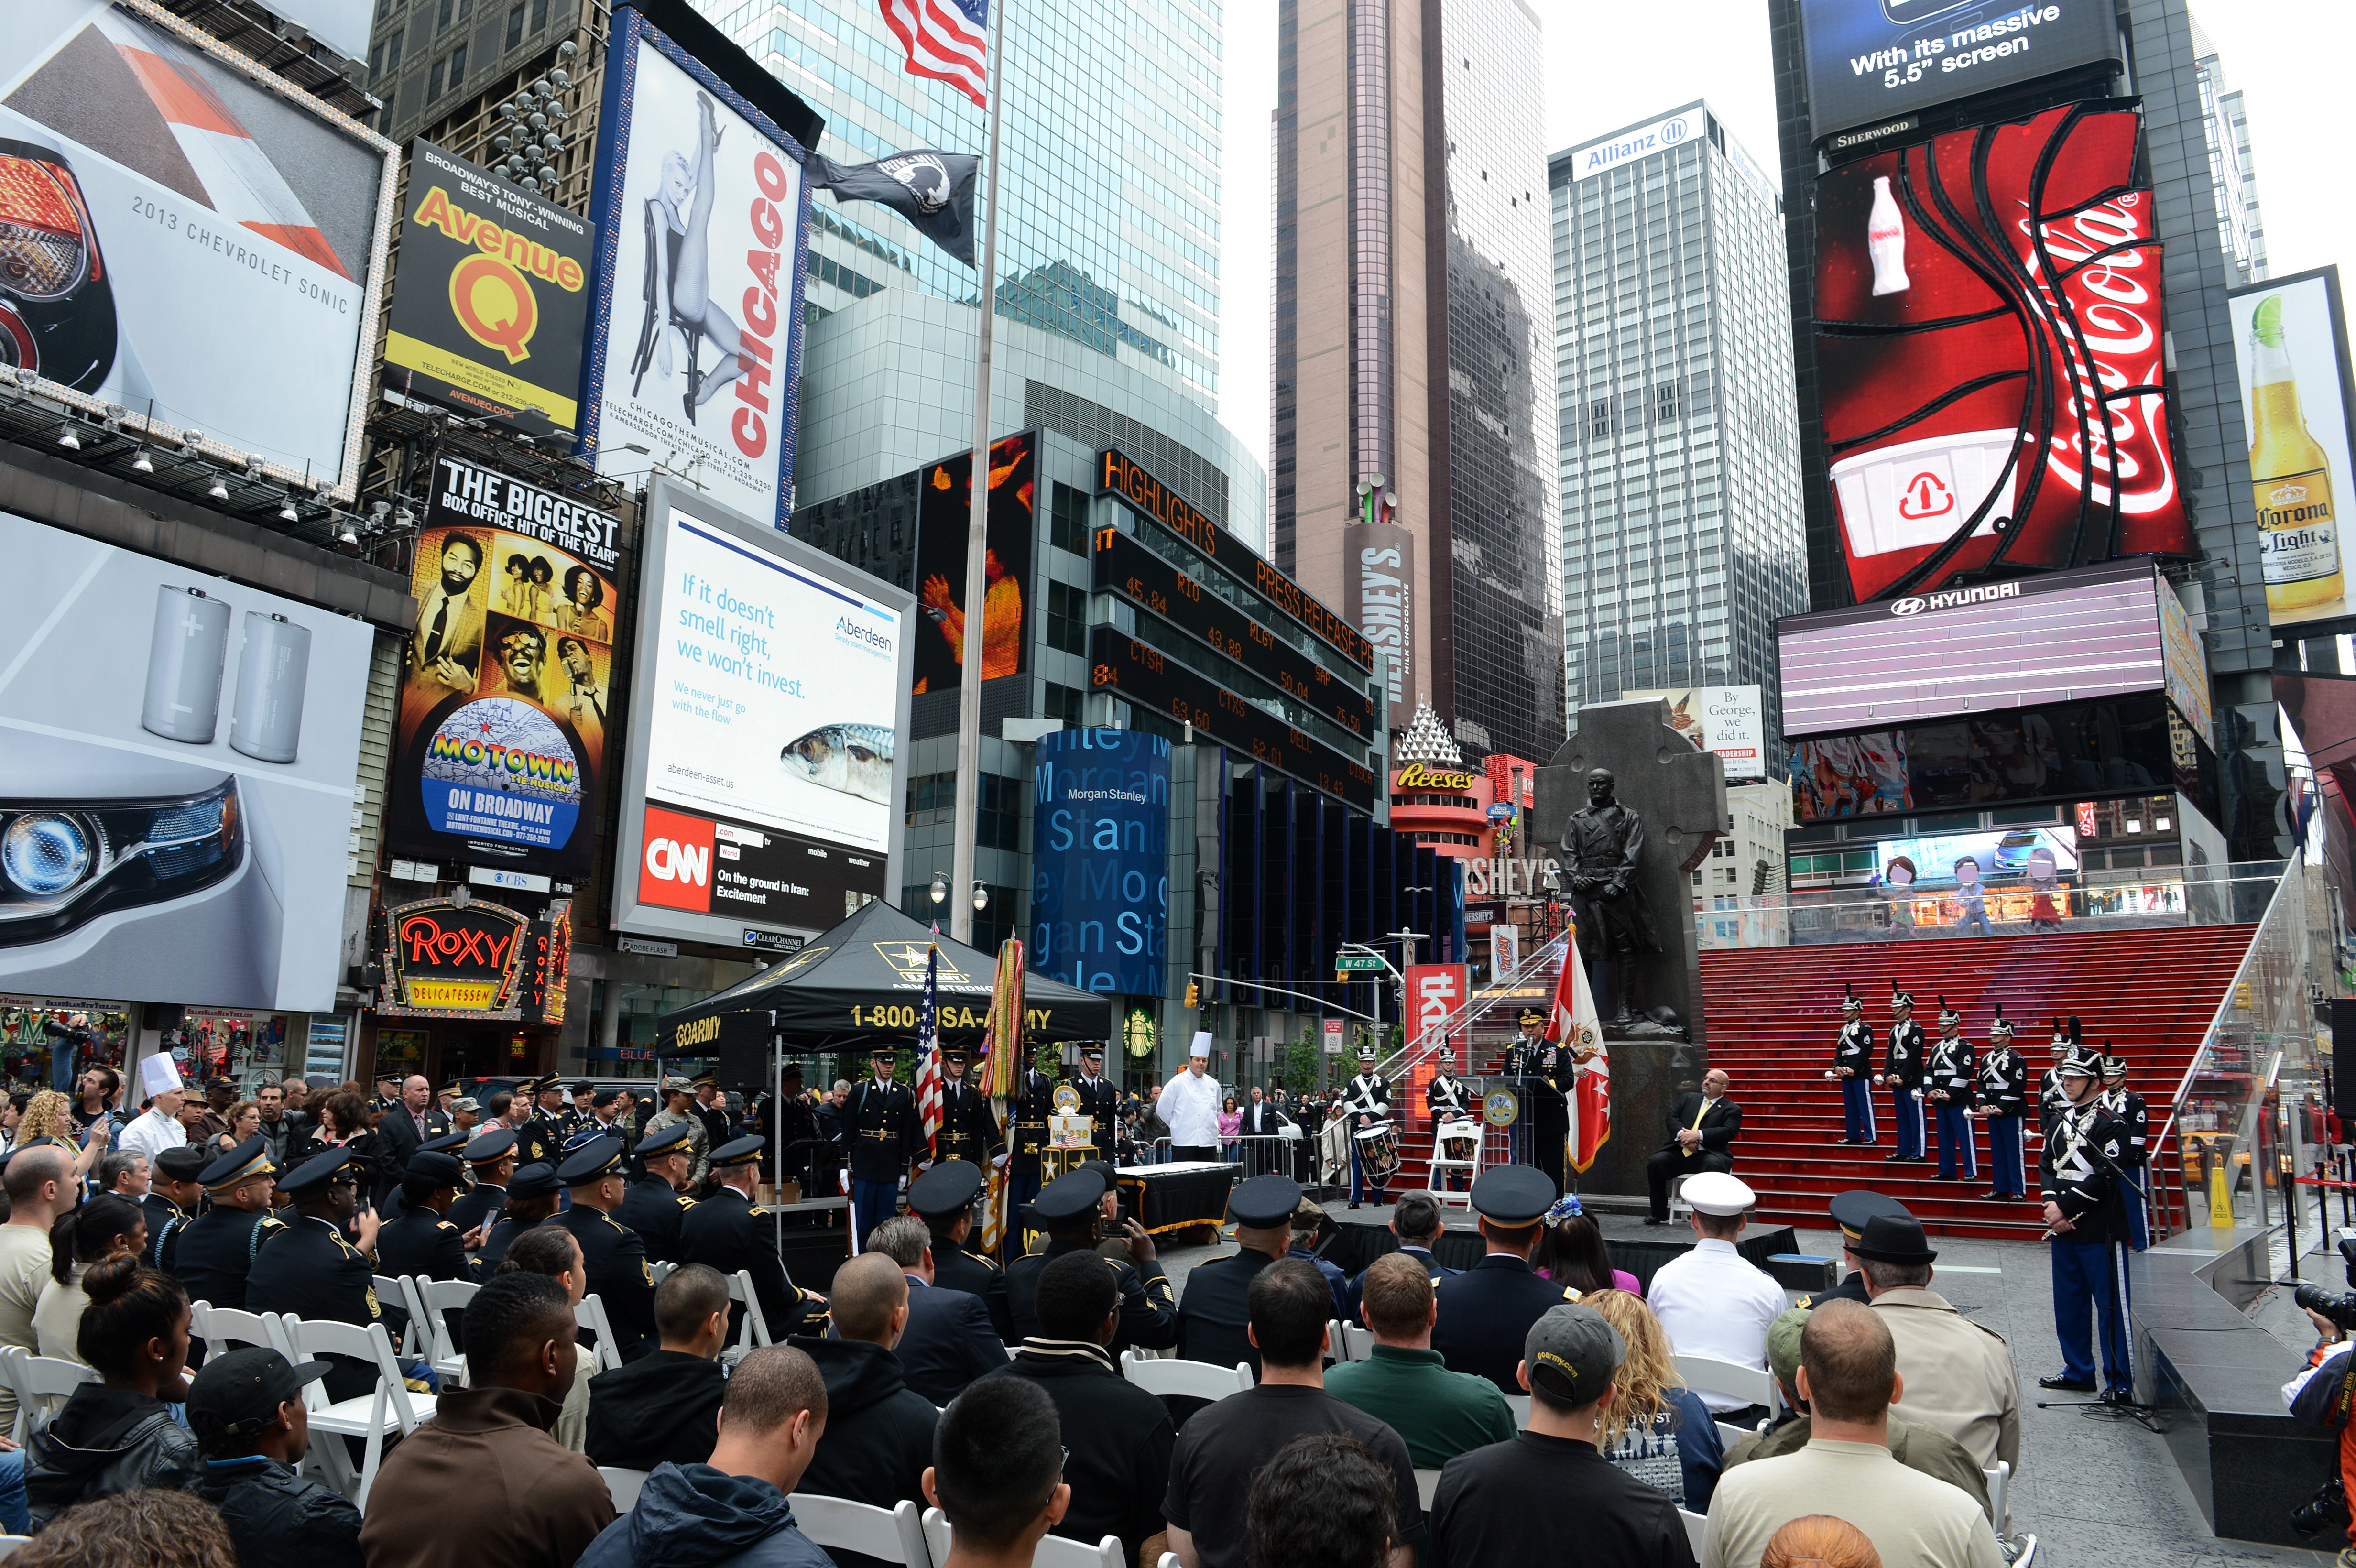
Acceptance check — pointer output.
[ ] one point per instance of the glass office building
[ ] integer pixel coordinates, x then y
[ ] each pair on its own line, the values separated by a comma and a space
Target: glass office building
1684, 535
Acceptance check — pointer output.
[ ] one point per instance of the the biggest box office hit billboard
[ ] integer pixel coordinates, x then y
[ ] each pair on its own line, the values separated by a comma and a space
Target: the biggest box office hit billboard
2292, 341
762, 797
1994, 388
204, 239
178, 759
507, 692
702, 220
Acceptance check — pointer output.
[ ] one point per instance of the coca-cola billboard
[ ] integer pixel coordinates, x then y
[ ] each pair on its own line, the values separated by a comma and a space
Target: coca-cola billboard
1989, 344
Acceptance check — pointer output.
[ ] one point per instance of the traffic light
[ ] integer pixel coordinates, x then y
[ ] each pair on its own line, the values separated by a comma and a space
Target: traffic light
1193, 995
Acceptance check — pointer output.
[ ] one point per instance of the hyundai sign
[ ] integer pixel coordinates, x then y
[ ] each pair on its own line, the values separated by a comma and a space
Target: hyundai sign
1627, 146
1099, 860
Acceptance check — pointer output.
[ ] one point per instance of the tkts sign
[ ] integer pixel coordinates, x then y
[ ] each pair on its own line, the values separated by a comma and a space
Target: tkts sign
1989, 337
474, 960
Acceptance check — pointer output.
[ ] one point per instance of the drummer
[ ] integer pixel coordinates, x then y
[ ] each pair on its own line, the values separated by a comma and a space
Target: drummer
1373, 1148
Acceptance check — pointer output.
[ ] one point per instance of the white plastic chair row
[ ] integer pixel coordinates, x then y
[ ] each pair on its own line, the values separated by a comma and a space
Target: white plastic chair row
1697, 1529
754, 1331
1999, 1482
41, 1384
388, 1410
1053, 1551
8, 1544
1184, 1380
1730, 1380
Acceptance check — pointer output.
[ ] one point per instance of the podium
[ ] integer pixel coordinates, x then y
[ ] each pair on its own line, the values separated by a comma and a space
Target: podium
1544, 1124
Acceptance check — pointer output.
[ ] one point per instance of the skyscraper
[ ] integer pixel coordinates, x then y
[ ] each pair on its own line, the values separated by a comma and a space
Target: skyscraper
1411, 405
1683, 532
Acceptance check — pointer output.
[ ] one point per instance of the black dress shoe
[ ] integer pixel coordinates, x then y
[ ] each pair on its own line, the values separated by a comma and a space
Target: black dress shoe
1650, 1221
1353, 1205
2063, 1383
1892, 1158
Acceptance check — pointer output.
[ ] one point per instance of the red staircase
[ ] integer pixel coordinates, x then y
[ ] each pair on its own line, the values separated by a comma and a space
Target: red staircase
1772, 1014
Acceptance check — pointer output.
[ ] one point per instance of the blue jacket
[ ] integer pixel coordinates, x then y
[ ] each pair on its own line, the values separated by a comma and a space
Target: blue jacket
697, 1517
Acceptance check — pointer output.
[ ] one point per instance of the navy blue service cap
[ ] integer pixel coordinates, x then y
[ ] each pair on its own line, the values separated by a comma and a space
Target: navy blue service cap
315, 1172
532, 1181
1852, 1208
1264, 1202
947, 1188
182, 1162
1069, 1196
743, 1151
1513, 1194
665, 1140
442, 1169
601, 1156
247, 1160
446, 1141
491, 1148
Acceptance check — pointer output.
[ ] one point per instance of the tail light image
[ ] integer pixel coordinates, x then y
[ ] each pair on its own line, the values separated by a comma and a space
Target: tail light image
57, 303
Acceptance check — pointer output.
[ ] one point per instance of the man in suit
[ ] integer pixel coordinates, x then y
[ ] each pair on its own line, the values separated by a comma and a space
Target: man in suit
1485, 1313
1417, 1224
411, 1121
1701, 1138
943, 1198
949, 1342
448, 647
1261, 1118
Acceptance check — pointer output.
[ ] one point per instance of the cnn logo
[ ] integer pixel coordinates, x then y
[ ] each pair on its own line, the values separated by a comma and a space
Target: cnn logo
675, 871
669, 860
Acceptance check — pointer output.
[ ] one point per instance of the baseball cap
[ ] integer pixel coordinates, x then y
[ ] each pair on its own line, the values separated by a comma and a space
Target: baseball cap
238, 1394
1572, 1353
1784, 1345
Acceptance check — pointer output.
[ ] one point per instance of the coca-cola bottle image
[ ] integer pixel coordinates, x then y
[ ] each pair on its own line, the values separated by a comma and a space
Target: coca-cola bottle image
1885, 240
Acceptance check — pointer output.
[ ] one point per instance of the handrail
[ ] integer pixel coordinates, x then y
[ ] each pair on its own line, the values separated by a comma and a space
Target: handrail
1422, 1048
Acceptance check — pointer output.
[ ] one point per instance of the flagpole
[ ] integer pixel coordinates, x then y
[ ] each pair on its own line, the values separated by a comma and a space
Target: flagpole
977, 545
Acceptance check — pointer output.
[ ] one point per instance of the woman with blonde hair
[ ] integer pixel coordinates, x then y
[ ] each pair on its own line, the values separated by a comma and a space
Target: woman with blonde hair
244, 1120
48, 1118
1819, 1541
1658, 1430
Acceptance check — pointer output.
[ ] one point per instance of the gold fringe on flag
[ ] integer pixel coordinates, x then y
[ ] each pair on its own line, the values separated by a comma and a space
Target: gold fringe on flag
1002, 1038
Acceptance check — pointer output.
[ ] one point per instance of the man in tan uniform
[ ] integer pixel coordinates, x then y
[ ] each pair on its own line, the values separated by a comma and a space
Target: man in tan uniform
1959, 1376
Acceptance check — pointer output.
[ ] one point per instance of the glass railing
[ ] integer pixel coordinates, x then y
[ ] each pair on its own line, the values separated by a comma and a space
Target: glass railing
2235, 894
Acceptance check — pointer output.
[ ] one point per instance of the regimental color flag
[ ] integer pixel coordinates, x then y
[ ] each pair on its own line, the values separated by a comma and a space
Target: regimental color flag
1578, 1029
947, 40
928, 1045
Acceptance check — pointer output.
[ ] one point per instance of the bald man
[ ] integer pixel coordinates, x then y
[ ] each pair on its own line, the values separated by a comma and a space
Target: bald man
879, 1432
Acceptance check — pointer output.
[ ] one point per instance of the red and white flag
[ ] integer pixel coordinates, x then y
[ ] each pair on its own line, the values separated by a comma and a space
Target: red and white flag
1577, 1028
947, 40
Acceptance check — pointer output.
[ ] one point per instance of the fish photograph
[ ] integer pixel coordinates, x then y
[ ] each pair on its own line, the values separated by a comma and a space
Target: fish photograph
853, 758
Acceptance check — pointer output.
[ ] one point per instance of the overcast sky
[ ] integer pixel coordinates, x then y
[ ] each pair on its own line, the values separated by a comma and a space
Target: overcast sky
1610, 66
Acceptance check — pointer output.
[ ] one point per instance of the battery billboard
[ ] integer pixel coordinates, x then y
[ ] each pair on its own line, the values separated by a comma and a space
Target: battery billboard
198, 241
1994, 388
763, 796
2291, 339
1878, 60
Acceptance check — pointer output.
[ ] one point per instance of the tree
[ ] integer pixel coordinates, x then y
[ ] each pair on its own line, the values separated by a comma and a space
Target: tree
1304, 1061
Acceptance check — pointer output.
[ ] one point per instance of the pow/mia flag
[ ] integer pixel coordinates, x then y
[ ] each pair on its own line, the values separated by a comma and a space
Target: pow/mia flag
932, 190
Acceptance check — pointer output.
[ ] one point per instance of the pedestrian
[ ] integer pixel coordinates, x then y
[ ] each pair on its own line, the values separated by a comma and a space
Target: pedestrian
1820, 1540
117, 1435
105, 1227
1959, 1374
246, 1409
1572, 1252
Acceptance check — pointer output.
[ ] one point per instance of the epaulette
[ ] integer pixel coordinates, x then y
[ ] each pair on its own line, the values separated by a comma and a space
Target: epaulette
445, 1224
756, 1211
987, 1261
616, 1224
685, 1201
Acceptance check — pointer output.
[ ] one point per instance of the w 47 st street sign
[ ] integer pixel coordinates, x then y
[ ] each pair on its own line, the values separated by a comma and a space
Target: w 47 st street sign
1346, 963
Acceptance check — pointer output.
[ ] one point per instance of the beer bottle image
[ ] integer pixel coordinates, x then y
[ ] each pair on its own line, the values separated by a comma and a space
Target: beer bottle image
2298, 534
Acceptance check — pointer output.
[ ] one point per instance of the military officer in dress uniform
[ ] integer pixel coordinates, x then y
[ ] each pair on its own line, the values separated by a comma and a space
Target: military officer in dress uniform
1098, 1101
1485, 1312
526, 1190
1850, 1210
1034, 1100
612, 1254
1949, 1079
2001, 1099
1903, 1065
217, 1248
943, 1198
1852, 1069
395, 1201
969, 1132
712, 1107
656, 1204
538, 1141
729, 1231
308, 1268
1527, 1057
423, 1240
1447, 1096
1071, 1208
2133, 1116
1367, 1098
492, 1160
2086, 1224
172, 1200
1214, 1316
786, 1120
881, 1118
2051, 1100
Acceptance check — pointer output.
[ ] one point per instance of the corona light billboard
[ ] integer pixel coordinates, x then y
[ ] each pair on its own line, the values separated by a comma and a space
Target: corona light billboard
491, 301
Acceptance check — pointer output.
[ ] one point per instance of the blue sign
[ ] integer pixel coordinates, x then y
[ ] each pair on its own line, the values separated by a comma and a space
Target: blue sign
1100, 860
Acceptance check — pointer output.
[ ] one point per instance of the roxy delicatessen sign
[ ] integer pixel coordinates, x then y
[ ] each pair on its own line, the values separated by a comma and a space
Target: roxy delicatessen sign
474, 960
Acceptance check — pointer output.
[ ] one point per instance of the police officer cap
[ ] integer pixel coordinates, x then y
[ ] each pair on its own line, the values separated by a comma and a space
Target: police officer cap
491, 1148
1852, 1208
946, 1188
1264, 1202
455, 1086
1069, 1196
584, 1087
582, 1137
316, 1173
665, 1140
1515, 1194
1892, 1239
532, 1181
705, 1080
1529, 1016
1092, 1052
248, 1159
440, 1169
1710, 1192
182, 1162
743, 1151
446, 1141
602, 1156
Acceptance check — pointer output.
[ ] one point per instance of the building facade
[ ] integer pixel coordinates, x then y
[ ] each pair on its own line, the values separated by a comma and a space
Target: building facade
1682, 526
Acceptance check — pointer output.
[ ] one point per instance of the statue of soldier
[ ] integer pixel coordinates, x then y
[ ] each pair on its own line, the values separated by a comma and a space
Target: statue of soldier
1602, 847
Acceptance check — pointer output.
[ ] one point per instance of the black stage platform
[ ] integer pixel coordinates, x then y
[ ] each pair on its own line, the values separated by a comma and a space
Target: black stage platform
1358, 1237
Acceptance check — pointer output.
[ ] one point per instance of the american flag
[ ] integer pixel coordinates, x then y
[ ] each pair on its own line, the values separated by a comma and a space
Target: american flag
928, 1053
947, 40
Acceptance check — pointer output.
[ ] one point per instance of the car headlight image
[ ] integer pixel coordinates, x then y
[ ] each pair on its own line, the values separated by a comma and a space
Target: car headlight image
64, 863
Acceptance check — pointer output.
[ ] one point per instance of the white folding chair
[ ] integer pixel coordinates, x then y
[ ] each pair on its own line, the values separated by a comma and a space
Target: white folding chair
890, 1535
662, 1271
390, 1410
624, 1485
1726, 1436
1427, 1487
437, 1298
8, 1544
1337, 1343
1678, 1206
1697, 1529
223, 1328
1730, 1380
1999, 1481
1169, 1559
393, 1290
1187, 1379
754, 1332
1521, 1407
590, 1315
1360, 1341
41, 1384
1455, 1145
1053, 1551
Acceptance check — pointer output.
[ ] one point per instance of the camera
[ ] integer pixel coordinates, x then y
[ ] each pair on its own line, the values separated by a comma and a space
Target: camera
2326, 1510
2339, 1306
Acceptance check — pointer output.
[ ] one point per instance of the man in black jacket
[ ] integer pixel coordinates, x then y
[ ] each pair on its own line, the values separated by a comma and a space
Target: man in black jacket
943, 1198
949, 1342
657, 1205
247, 1410
662, 1407
879, 1432
1070, 1207
310, 1270
173, 1194
610, 1252
1702, 1128
412, 1121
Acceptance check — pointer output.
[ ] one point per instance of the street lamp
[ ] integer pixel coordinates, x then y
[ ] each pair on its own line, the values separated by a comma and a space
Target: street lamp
940, 888
980, 898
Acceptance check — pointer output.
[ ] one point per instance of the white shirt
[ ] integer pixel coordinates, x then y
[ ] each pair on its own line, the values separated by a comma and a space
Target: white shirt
1713, 1302
151, 1133
1191, 1106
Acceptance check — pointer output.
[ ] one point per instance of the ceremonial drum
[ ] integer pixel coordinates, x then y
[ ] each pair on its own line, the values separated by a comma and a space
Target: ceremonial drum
1379, 1153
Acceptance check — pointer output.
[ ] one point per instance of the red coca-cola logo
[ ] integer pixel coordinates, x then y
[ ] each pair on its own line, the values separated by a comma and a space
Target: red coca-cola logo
1925, 496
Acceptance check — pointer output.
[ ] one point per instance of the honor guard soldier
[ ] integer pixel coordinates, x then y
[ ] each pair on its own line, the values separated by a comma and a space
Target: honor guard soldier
1034, 1100
2001, 1099
538, 1141
881, 1118
424, 1241
582, 1113
527, 1187
1071, 1208
2133, 1116
943, 1198
1367, 1098
1450, 1100
308, 1269
1902, 1064
1949, 1079
217, 1248
491, 1160
171, 1201
655, 1206
2086, 1224
1486, 1311
1850, 1210
1852, 1069
615, 1258
730, 1232
1100, 1101
2051, 1100
388, 1094
969, 1132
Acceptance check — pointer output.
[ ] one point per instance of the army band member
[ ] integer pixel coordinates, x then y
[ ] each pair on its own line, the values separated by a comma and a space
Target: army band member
2051, 1100
880, 1119
729, 1231
1449, 1099
1034, 1093
612, 1254
2001, 1098
1071, 1208
1852, 1069
968, 1129
1903, 1062
217, 1249
2086, 1225
1948, 1080
2133, 1116
1367, 1098
307, 1268
655, 1204
1100, 1101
